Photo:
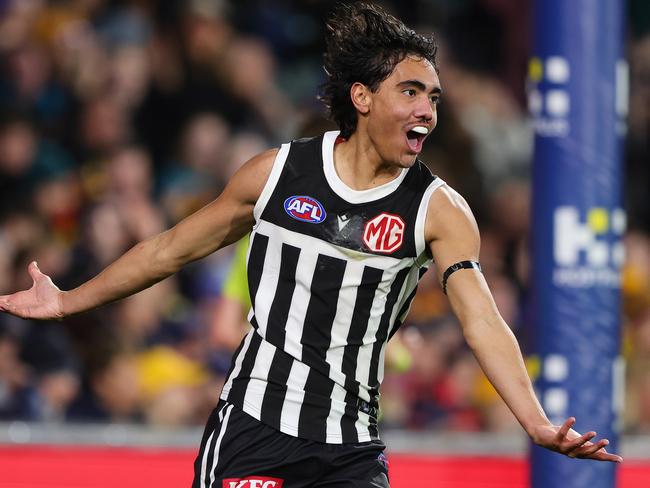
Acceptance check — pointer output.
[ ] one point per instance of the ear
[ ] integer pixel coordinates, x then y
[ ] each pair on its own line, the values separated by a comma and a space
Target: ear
361, 97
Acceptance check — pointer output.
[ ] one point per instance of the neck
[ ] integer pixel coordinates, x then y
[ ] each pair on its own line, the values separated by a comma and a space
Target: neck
360, 166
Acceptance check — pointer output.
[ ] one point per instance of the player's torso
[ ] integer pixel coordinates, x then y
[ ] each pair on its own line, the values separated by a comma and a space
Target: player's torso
331, 273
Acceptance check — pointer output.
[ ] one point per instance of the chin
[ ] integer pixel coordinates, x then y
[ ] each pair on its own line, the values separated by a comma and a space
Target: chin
407, 161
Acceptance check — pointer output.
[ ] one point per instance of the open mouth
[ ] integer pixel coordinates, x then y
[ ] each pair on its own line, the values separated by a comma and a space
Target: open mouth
415, 137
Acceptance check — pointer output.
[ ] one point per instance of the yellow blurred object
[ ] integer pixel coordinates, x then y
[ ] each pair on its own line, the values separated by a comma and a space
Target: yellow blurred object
53, 21
533, 366
398, 357
429, 303
484, 392
236, 284
598, 220
635, 284
535, 69
161, 368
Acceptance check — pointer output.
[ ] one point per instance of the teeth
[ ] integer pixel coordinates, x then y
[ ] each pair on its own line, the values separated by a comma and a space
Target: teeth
420, 130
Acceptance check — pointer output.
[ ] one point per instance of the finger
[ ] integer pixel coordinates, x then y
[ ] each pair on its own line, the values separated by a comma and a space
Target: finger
571, 446
591, 448
33, 270
5, 303
564, 429
603, 455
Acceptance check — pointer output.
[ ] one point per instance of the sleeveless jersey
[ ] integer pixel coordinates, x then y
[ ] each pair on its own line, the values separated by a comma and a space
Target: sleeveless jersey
332, 272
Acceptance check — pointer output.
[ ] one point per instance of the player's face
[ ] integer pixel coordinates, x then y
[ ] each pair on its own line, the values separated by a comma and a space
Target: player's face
403, 111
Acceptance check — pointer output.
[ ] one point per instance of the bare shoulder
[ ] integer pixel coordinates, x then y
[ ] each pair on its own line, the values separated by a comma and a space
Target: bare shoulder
448, 213
248, 182
261, 164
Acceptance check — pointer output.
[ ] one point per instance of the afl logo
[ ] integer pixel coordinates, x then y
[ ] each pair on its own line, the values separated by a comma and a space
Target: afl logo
305, 209
384, 233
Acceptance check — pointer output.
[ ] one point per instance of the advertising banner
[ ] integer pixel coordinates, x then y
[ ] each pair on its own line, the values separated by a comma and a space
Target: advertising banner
577, 96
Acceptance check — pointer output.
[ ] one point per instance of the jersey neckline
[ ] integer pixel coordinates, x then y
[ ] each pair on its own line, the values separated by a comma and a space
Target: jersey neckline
343, 190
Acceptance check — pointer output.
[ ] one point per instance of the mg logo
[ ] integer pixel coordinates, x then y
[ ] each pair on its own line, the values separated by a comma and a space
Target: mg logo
384, 233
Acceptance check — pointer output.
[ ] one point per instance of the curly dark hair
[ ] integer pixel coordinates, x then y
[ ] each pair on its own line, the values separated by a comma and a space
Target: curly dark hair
364, 44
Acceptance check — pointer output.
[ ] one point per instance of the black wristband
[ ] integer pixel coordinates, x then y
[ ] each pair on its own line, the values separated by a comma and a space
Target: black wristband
455, 267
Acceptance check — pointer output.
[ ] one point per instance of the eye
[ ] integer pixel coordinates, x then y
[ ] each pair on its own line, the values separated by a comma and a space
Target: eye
410, 92
435, 100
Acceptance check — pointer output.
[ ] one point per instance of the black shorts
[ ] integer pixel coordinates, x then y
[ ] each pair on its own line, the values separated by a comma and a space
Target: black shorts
237, 451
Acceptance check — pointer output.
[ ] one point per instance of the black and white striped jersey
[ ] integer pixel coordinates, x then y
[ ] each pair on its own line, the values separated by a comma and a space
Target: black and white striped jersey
332, 272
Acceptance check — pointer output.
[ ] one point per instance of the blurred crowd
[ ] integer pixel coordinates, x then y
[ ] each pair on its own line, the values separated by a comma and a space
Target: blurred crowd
119, 118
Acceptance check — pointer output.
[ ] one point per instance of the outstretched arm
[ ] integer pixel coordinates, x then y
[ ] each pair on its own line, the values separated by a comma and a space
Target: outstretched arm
216, 225
452, 234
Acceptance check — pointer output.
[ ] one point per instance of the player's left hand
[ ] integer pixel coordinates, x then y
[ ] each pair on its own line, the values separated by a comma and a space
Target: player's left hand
565, 440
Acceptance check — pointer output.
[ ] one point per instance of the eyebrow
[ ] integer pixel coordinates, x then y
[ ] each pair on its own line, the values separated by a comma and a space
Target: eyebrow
418, 84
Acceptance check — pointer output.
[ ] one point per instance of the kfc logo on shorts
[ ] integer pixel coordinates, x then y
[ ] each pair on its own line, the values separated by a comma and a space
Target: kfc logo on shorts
252, 482
384, 233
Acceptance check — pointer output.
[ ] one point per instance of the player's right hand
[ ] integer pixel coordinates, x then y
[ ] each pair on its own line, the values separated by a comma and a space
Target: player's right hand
42, 301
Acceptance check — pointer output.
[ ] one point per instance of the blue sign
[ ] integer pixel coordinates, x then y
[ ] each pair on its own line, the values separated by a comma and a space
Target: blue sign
577, 93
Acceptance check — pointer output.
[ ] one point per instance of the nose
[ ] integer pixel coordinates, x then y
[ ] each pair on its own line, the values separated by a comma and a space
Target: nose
425, 110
